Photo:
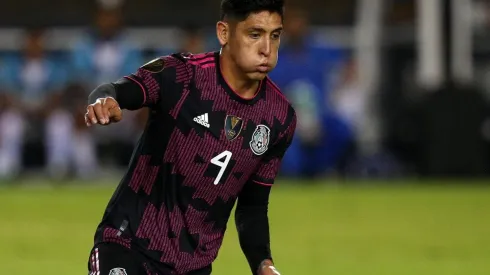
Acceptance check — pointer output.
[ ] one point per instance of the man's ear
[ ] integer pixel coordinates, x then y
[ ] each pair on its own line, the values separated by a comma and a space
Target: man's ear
223, 32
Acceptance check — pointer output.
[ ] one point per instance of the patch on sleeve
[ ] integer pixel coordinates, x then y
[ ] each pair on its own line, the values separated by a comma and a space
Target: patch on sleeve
155, 66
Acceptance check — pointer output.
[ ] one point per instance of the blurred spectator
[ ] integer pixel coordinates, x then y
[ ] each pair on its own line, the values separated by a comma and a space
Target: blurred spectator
192, 40
105, 54
348, 99
303, 73
31, 84
481, 15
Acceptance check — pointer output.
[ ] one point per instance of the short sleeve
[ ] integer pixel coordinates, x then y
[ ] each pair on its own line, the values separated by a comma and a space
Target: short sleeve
271, 162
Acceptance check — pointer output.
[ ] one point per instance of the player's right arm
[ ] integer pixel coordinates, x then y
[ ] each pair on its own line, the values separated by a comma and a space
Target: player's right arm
132, 92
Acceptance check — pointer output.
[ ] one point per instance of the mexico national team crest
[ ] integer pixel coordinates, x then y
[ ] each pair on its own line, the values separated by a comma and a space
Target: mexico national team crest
260, 139
233, 127
155, 66
118, 271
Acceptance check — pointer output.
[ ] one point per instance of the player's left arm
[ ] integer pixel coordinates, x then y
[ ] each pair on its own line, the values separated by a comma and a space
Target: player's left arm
251, 215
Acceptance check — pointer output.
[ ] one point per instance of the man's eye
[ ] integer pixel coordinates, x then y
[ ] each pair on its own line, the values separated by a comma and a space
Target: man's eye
254, 35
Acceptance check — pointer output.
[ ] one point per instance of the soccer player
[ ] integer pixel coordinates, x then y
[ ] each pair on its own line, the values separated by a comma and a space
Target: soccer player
217, 131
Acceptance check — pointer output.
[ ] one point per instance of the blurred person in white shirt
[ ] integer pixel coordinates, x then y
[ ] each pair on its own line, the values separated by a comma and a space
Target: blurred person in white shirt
102, 54
32, 84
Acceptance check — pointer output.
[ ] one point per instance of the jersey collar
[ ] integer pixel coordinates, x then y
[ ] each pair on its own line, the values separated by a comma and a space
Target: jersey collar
221, 80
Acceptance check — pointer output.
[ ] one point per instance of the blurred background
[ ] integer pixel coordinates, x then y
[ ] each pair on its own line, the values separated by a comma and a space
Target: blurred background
391, 156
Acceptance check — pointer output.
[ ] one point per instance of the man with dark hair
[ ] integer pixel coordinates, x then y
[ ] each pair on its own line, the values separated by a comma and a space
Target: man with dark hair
217, 131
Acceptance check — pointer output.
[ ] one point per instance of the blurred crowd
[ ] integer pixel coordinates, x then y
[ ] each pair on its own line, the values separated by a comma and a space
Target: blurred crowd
43, 95
43, 98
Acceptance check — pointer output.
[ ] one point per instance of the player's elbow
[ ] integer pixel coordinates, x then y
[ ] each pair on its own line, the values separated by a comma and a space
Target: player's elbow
129, 94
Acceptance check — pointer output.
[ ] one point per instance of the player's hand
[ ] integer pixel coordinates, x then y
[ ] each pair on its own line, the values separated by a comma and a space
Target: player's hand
267, 268
104, 111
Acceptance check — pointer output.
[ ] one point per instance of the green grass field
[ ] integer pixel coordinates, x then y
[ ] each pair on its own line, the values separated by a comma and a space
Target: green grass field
331, 230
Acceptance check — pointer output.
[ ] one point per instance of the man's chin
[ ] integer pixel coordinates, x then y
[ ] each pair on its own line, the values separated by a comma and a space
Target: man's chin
257, 76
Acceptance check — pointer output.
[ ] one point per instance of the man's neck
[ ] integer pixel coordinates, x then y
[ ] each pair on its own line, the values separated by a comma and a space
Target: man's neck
242, 86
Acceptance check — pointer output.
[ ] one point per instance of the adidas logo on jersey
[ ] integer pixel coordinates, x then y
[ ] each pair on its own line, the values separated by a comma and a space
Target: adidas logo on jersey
203, 120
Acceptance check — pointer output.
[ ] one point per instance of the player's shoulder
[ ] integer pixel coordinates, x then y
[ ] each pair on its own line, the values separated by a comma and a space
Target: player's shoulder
199, 60
276, 100
275, 95
179, 62
189, 62
185, 64
161, 64
186, 58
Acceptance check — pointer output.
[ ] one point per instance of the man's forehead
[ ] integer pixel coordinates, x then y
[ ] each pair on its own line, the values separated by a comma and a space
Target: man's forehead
265, 20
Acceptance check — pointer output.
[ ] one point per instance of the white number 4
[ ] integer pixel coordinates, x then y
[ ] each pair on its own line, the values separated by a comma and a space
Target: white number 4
222, 164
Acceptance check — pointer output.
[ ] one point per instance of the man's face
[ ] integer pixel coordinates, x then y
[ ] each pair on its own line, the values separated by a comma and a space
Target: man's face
254, 43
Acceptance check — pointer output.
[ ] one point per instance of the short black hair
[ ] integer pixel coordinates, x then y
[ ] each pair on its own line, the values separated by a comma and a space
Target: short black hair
241, 9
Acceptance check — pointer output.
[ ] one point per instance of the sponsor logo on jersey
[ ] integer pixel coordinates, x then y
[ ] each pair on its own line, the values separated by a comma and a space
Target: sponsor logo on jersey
203, 120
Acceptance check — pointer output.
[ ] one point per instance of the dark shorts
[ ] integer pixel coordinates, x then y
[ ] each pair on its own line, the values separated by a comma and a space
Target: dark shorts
114, 259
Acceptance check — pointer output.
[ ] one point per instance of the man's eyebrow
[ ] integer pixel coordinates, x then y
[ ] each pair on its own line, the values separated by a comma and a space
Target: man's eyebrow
260, 29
